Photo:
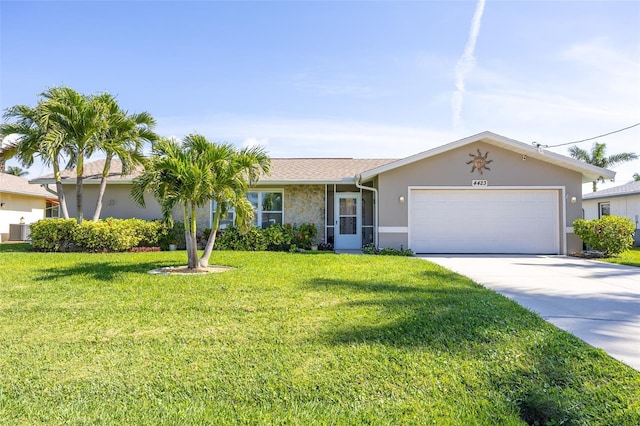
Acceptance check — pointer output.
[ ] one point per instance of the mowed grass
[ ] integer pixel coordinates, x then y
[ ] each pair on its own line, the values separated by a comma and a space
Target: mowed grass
630, 257
285, 338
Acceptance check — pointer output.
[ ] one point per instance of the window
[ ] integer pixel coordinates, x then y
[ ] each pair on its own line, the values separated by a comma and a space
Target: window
604, 209
52, 209
267, 208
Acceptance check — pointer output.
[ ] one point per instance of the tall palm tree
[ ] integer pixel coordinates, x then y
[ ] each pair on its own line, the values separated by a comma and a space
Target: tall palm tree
16, 171
597, 157
231, 180
175, 178
80, 121
38, 136
193, 174
123, 137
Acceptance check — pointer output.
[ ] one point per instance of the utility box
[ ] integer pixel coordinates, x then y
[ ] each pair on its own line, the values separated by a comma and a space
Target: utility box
19, 232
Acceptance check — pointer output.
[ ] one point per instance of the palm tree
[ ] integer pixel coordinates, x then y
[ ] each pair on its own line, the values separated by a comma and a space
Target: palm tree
597, 158
38, 136
123, 137
16, 171
193, 174
176, 179
232, 179
636, 177
80, 121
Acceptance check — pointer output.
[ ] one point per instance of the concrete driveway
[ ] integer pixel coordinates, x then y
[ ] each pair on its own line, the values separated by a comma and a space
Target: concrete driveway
595, 301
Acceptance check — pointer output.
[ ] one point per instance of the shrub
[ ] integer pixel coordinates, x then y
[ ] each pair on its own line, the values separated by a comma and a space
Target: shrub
611, 234
172, 234
389, 251
232, 239
106, 235
100, 236
53, 235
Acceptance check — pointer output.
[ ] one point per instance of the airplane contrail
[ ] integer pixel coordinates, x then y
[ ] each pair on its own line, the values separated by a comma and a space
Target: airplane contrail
465, 64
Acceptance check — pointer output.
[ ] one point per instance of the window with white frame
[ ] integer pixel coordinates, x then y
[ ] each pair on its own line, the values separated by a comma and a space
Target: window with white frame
604, 209
268, 209
52, 209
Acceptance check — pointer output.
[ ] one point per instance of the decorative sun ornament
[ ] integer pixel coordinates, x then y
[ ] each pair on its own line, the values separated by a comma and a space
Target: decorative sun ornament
479, 162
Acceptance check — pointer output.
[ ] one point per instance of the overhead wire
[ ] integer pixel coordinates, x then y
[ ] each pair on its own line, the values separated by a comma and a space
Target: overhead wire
539, 145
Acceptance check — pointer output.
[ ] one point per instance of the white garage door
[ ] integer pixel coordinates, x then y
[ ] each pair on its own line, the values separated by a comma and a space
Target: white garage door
484, 221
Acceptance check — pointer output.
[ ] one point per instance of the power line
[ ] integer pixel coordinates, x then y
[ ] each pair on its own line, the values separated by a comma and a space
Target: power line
539, 145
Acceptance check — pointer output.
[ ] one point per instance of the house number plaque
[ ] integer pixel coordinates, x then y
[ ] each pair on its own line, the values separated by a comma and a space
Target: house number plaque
479, 182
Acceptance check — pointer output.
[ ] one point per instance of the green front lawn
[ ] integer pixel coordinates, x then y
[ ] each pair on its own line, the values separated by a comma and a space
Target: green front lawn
630, 257
286, 338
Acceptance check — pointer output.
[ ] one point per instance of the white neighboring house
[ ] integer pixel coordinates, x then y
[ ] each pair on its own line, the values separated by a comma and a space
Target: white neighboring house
22, 204
623, 200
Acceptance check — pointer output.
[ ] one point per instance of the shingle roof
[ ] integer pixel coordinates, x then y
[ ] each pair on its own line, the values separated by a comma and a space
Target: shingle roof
283, 170
11, 184
617, 191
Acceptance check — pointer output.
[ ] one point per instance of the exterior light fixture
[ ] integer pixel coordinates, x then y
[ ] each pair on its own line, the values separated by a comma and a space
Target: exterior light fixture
401, 199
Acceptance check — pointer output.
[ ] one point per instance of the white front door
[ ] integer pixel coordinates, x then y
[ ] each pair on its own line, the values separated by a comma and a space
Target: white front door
348, 227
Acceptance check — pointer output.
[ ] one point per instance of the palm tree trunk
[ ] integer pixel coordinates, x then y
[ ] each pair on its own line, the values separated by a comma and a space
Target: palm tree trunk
595, 185
79, 181
103, 187
208, 249
193, 255
62, 202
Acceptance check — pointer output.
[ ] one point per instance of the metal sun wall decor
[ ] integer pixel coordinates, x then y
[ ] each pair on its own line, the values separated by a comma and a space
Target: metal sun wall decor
479, 162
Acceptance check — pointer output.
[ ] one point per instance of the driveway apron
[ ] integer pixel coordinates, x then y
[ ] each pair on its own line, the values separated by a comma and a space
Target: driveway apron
595, 301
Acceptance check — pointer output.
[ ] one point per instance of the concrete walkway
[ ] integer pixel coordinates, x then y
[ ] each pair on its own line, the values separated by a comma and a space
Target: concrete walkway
595, 301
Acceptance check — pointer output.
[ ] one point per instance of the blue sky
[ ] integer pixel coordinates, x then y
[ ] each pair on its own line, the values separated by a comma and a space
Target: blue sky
341, 79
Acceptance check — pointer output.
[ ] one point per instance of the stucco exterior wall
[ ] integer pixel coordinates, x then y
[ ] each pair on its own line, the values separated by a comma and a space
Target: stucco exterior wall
16, 206
305, 204
117, 202
450, 169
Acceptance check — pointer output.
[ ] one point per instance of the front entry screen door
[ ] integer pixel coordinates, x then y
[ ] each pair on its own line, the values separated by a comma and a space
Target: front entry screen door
348, 221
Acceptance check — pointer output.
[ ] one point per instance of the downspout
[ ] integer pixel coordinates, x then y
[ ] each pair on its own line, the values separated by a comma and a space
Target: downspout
357, 180
45, 186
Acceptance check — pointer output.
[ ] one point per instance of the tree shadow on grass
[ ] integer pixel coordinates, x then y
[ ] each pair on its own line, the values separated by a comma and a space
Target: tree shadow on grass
448, 317
16, 248
448, 314
101, 271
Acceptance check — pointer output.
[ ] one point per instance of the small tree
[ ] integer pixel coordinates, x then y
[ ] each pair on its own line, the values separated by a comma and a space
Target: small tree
16, 171
611, 235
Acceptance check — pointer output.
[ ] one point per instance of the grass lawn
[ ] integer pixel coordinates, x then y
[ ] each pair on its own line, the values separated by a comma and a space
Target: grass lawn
286, 338
630, 257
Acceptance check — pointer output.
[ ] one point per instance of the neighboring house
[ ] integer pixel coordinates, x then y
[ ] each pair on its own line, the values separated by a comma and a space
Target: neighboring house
623, 200
481, 194
22, 204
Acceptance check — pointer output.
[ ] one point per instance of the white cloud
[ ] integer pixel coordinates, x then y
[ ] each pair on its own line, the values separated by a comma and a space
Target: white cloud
255, 142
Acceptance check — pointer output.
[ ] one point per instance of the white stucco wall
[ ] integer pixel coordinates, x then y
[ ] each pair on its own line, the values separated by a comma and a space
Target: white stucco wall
19, 206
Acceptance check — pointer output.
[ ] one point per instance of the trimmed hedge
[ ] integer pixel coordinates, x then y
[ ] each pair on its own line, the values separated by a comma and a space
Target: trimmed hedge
108, 235
611, 235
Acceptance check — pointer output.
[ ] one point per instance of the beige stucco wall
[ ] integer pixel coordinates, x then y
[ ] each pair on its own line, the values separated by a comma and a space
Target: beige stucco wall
17, 206
450, 169
305, 204
117, 202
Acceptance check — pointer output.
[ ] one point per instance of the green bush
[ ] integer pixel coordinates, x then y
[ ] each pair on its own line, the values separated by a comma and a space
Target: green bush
53, 235
611, 235
232, 239
277, 237
371, 249
104, 235
172, 234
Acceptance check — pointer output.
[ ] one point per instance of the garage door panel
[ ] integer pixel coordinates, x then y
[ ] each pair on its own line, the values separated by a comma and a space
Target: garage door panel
484, 221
